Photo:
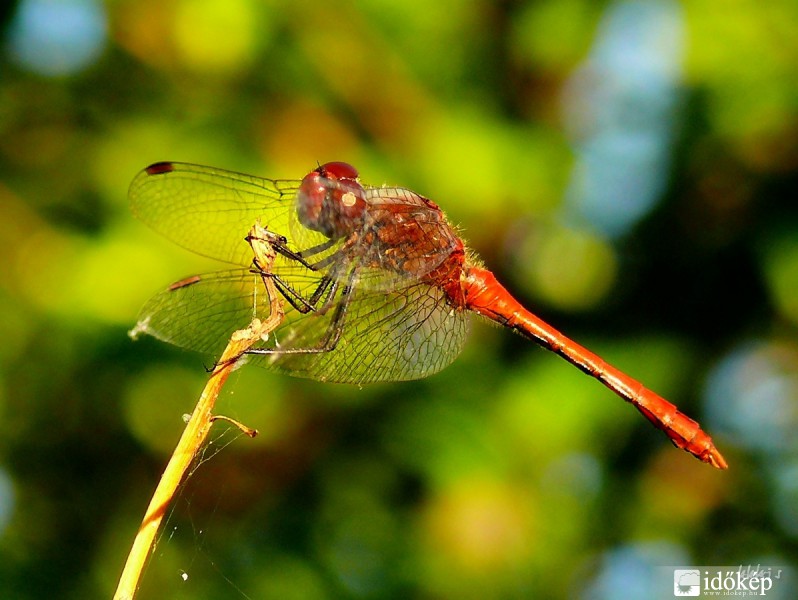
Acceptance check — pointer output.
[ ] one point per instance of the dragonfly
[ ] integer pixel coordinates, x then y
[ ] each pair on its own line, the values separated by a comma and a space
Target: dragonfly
375, 284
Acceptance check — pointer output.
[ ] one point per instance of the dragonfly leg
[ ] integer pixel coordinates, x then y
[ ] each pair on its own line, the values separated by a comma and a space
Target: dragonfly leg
296, 299
312, 251
326, 285
293, 297
333, 334
280, 245
323, 298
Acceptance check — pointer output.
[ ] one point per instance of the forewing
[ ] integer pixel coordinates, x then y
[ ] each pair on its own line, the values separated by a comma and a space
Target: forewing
210, 211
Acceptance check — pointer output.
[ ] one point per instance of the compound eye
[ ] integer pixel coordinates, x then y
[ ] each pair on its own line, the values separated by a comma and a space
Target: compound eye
340, 171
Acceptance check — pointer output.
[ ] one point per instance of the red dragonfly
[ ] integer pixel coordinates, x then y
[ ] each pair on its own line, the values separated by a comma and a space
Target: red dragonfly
377, 285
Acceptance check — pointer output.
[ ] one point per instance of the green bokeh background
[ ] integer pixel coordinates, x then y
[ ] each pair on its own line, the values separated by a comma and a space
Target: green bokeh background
507, 475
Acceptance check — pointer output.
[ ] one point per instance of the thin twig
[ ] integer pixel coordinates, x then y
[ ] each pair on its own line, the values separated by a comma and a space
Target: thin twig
199, 424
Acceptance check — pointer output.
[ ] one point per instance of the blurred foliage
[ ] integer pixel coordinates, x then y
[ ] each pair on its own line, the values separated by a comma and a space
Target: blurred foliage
627, 168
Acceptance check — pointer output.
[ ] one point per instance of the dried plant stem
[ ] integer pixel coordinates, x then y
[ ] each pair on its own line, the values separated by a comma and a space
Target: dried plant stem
196, 431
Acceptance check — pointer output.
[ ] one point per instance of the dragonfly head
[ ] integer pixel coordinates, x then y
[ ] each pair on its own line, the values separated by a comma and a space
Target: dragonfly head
331, 200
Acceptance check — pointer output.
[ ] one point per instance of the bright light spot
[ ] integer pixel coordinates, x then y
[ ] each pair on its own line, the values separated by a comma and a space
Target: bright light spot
753, 395
620, 106
108, 278
480, 526
551, 34
218, 35
569, 268
57, 37
6, 499
631, 572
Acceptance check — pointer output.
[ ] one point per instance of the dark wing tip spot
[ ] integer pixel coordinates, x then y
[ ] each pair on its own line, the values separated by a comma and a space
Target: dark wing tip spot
160, 168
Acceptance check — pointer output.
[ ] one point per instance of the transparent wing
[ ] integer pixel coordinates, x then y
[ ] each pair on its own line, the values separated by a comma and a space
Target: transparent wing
408, 333
403, 334
209, 211
201, 312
